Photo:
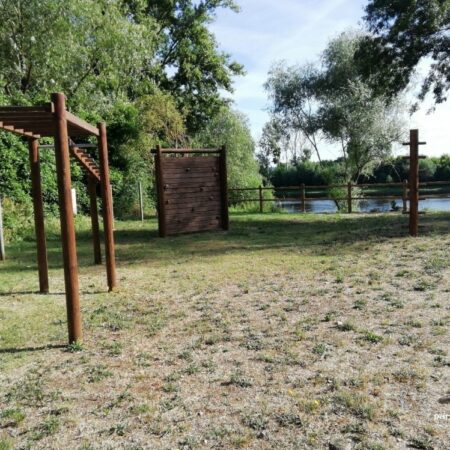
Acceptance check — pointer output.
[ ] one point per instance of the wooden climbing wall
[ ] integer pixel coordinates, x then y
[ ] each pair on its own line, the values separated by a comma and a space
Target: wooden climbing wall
192, 190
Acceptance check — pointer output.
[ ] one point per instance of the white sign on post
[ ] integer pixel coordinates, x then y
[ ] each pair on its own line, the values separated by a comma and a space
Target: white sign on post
74, 202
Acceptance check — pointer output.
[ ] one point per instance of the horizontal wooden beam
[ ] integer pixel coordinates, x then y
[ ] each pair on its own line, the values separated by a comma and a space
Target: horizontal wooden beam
80, 123
187, 150
48, 107
18, 131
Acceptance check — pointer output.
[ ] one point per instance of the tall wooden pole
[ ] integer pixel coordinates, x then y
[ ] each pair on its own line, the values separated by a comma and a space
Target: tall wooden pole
38, 207
405, 196
349, 198
160, 192
2, 238
108, 219
67, 223
261, 204
92, 189
303, 195
141, 201
414, 183
224, 188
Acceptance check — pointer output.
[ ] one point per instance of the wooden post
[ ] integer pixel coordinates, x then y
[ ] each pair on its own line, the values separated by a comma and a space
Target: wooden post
160, 192
38, 208
107, 209
303, 195
92, 189
414, 144
67, 221
405, 196
414, 183
261, 205
349, 197
141, 201
2, 238
224, 189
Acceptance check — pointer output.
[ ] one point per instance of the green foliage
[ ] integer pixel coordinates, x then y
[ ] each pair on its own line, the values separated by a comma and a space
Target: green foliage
88, 49
331, 103
230, 128
198, 71
405, 33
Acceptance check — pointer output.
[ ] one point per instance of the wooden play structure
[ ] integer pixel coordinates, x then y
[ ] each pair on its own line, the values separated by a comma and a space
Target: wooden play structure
414, 158
192, 190
53, 120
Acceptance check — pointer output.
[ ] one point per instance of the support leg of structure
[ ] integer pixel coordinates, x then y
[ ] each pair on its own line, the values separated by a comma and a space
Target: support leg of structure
67, 222
224, 188
38, 206
92, 188
107, 208
414, 184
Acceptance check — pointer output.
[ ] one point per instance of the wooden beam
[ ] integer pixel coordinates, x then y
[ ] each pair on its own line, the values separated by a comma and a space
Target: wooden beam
414, 184
92, 189
160, 192
414, 157
67, 221
108, 219
48, 107
85, 161
76, 122
38, 206
224, 188
22, 133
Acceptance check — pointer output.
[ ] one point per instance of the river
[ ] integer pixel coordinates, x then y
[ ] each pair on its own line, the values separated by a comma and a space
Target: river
369, 205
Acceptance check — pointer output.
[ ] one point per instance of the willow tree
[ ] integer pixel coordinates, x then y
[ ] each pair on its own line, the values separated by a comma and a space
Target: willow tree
330, 103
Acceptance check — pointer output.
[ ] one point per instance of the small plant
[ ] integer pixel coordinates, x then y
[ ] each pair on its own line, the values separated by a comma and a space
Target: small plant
47, 428
13, 416
75, 347
372, 337
238, 379
98, 373
256, 422
422, 443
346, 326
360, 304
288, 420
320, 349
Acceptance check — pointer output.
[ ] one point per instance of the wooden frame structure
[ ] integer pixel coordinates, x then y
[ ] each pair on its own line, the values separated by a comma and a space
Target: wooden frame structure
53, 120
192, 190
414, 158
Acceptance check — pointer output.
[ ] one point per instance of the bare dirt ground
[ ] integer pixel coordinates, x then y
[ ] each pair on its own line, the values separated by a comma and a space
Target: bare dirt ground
289, 332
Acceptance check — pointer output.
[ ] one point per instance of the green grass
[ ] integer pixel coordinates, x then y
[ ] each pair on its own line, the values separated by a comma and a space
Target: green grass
285, 332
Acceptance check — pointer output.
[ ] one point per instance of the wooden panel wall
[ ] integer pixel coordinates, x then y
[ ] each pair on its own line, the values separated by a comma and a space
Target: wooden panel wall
189, 193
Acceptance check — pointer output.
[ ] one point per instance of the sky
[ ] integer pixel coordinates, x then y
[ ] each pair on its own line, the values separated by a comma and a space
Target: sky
297, 31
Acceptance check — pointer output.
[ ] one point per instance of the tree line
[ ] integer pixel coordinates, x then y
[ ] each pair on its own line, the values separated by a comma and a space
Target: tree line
393, 170
151, 69
355, 95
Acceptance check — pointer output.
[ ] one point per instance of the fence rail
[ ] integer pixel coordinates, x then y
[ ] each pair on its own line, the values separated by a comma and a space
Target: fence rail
349, 197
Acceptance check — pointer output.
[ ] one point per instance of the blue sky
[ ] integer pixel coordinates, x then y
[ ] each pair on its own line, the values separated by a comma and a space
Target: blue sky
266, 31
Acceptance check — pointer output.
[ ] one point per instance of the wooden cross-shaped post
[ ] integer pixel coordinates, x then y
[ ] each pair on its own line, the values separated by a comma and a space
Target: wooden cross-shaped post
414, 181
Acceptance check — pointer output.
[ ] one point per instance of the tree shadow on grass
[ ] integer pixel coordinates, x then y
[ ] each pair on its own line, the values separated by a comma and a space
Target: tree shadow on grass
345, 234
32, 349
136, 243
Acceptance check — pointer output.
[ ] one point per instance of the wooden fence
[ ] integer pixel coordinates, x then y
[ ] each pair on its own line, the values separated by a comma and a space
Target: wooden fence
300, 193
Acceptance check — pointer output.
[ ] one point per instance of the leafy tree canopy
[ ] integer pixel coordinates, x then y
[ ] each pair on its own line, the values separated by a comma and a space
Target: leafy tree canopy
331, 102
404, 33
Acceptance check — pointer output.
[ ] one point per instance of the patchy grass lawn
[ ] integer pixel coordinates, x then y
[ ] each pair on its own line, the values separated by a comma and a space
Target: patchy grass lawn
290, 331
